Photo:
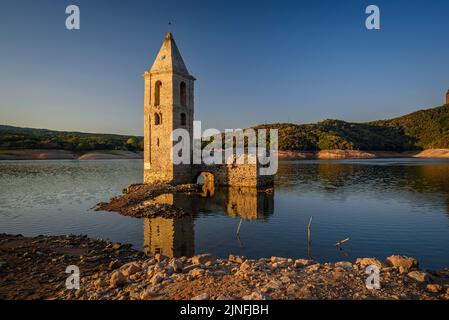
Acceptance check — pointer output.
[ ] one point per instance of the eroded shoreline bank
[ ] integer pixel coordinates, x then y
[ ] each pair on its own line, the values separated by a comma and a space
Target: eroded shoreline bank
41, 154
358, 154
336, 154
34, 268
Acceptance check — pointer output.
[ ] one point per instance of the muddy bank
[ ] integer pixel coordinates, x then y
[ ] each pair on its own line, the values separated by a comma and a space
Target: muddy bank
356, 154
34, 268
67, 155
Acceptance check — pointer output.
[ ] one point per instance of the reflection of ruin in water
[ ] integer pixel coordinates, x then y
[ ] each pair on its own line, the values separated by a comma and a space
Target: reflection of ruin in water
207, 182
174, 237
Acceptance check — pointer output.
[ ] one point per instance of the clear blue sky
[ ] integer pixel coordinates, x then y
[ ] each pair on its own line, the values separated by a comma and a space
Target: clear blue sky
255, 61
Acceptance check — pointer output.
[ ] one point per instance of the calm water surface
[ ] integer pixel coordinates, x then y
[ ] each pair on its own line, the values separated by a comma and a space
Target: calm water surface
384, 206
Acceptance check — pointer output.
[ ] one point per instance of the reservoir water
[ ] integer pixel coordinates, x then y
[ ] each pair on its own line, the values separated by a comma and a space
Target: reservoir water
385, 207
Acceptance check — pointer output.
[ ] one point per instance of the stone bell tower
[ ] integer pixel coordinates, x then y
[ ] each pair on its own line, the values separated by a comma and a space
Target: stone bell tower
168, 105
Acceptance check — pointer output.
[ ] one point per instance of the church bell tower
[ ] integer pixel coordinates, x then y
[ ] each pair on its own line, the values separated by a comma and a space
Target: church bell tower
168, 105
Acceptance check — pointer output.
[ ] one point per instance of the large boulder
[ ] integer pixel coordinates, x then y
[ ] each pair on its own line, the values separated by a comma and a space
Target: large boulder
130, 268
402, 262
419, 276
117, 279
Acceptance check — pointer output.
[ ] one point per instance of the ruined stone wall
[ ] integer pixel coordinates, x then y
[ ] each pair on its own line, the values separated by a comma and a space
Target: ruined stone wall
242, 175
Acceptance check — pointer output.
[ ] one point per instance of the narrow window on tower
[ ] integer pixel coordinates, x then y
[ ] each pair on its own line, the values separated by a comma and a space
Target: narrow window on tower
157, 93
157, 119
183, 93
183, 119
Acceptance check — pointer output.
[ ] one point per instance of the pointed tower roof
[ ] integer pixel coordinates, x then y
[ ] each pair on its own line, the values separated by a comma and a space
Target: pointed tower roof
169, 59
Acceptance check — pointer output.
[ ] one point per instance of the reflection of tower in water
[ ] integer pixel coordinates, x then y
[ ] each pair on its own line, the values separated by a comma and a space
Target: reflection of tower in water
174, 237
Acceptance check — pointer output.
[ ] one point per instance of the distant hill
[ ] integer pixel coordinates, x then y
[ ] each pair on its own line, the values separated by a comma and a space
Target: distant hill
425, 129
28, 138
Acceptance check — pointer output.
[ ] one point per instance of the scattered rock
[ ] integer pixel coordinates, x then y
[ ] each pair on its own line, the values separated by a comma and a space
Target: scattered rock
419, 276
197, 272
223, 297
203, 296
114, 264
169, 270
116, 246
257, 296
236, 259
160, 257
117, 279
273, 285
191, 267
404, 262
286, 280
157, 278
202, 259
246, 266
312, 268
365, 262
338, 274
403, 269
99, 283
277, 262
301, 263
344, 264
434, 288
176, 264
131, 268
148, 294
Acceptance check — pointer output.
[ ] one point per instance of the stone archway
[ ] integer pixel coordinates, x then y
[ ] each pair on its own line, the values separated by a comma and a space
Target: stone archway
206, 180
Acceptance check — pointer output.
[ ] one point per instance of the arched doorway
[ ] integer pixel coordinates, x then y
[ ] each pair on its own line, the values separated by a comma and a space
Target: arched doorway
206, 180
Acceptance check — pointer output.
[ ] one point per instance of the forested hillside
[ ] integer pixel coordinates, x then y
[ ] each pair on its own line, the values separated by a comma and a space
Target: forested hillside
423, 129
27, 138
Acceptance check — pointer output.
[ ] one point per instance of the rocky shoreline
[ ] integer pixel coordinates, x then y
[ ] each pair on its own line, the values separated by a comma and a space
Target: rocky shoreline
136, 201
34, 268
336, 154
